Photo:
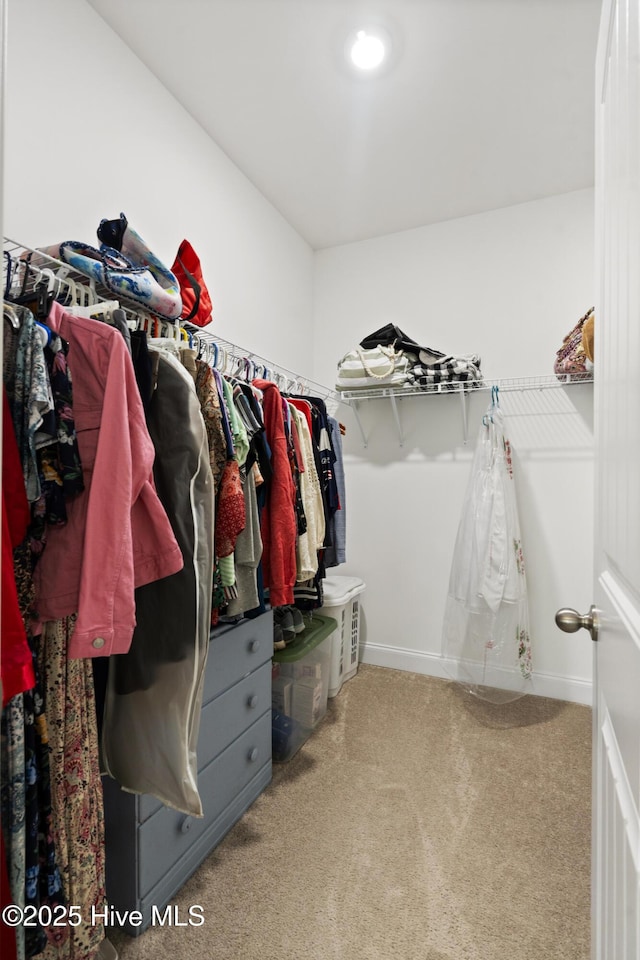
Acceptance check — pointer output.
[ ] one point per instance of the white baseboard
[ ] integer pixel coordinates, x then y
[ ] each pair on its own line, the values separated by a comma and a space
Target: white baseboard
557, 687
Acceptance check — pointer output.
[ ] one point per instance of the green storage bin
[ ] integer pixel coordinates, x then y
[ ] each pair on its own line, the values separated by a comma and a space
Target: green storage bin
300, 686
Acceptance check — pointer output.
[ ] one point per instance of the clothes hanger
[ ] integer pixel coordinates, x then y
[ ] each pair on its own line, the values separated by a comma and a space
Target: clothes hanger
37, 298
72, 293
9, 312
495, 402
96, 311
9, 266
44, 333
145, 322
52, 281
23, 296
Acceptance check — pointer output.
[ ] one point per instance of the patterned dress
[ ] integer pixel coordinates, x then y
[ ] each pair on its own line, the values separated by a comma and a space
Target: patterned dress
77, 805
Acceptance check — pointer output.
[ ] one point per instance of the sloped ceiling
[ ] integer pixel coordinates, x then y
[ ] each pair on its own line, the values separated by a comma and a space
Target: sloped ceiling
486, 103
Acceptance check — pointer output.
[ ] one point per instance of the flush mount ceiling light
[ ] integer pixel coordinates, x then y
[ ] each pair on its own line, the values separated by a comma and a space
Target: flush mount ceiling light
368, 50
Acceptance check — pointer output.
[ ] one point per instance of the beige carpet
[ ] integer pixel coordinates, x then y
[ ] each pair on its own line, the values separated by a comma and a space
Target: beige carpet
416, 824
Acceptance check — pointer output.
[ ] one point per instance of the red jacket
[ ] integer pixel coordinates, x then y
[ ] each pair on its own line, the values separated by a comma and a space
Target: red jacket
278, 524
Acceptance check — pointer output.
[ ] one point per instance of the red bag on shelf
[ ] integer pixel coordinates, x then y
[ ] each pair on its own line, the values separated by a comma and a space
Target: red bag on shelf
196, 302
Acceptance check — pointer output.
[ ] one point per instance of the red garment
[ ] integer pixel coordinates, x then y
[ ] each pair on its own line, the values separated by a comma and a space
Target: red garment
230, 510
16, 664
305, 407
278, 524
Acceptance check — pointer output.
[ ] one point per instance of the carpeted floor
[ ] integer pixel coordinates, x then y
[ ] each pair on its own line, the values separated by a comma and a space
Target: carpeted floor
417, 823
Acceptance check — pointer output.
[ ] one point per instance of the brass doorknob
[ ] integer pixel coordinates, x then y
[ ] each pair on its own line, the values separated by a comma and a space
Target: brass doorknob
571, 621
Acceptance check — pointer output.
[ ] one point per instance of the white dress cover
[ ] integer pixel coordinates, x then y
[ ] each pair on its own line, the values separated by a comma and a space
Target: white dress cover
485, 637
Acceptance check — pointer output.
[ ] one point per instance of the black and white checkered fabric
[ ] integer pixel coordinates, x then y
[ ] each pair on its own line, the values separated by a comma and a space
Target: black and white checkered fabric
450, 370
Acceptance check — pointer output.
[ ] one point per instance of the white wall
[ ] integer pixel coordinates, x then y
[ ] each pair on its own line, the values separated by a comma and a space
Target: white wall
90, 132
508, 284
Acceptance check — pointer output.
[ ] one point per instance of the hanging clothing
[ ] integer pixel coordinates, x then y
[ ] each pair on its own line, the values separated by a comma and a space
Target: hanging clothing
485, 637
117, 536
278, 521
59, 465
154, 691
42, 875
207, 391
337, 552
248, 551
308, 543
238, 429
7, 934
12, 801
16, 667
28, 389
76, 790
230, 522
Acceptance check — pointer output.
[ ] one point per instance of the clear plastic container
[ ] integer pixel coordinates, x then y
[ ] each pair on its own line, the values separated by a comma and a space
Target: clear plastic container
300, 684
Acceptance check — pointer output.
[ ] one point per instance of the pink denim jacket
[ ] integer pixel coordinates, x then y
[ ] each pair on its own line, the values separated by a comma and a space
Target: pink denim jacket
118, 536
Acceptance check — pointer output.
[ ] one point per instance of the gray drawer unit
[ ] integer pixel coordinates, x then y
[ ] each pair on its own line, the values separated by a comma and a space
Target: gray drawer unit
151, 850
235, 652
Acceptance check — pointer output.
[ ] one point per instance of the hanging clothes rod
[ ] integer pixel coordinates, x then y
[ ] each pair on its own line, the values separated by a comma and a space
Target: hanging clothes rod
24, 268
256, 366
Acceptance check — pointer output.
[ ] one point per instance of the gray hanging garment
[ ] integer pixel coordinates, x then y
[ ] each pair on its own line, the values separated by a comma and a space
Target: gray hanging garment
154, 693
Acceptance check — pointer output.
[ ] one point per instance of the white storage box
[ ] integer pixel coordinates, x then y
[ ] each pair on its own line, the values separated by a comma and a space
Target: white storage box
342, 602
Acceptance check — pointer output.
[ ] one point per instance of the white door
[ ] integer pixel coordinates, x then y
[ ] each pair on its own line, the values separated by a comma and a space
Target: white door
616, 731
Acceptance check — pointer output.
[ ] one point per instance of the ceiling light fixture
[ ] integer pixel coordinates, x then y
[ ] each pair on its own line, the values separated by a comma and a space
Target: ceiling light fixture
367, 50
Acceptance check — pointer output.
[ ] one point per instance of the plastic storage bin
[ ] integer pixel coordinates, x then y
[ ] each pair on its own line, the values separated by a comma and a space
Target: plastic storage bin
342, 603
299, 686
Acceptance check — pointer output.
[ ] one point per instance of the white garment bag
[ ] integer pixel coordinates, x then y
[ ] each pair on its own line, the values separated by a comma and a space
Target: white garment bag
485, 637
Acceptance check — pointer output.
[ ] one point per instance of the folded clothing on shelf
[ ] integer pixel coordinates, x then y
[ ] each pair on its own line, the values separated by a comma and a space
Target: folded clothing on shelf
451, 370
389, 358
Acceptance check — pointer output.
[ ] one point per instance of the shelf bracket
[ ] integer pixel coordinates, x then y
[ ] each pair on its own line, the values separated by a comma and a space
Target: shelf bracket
465, 418
355, 407
396, 414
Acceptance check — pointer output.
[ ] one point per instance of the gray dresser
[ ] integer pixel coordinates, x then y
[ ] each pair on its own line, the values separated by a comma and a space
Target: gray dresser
151, 850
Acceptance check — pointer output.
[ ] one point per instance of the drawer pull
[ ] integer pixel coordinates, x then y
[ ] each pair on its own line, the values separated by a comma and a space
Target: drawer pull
254, 646
252, 756
252, 701
185, 826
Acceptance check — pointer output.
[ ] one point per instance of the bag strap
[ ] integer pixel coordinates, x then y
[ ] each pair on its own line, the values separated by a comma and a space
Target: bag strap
388, 352
196, 289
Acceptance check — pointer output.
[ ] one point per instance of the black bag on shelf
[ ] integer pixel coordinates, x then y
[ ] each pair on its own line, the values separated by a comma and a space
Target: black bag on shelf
392, 336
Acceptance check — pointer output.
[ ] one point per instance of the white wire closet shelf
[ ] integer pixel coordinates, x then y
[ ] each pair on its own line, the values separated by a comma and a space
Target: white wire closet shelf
24, 267
463, 388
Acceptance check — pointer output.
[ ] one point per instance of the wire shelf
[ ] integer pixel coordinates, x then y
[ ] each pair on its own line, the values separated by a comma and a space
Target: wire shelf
466, 387
462, 389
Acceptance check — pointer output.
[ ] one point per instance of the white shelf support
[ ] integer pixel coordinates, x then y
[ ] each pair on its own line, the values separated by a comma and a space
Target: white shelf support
464, 399
355, 406
396, 414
